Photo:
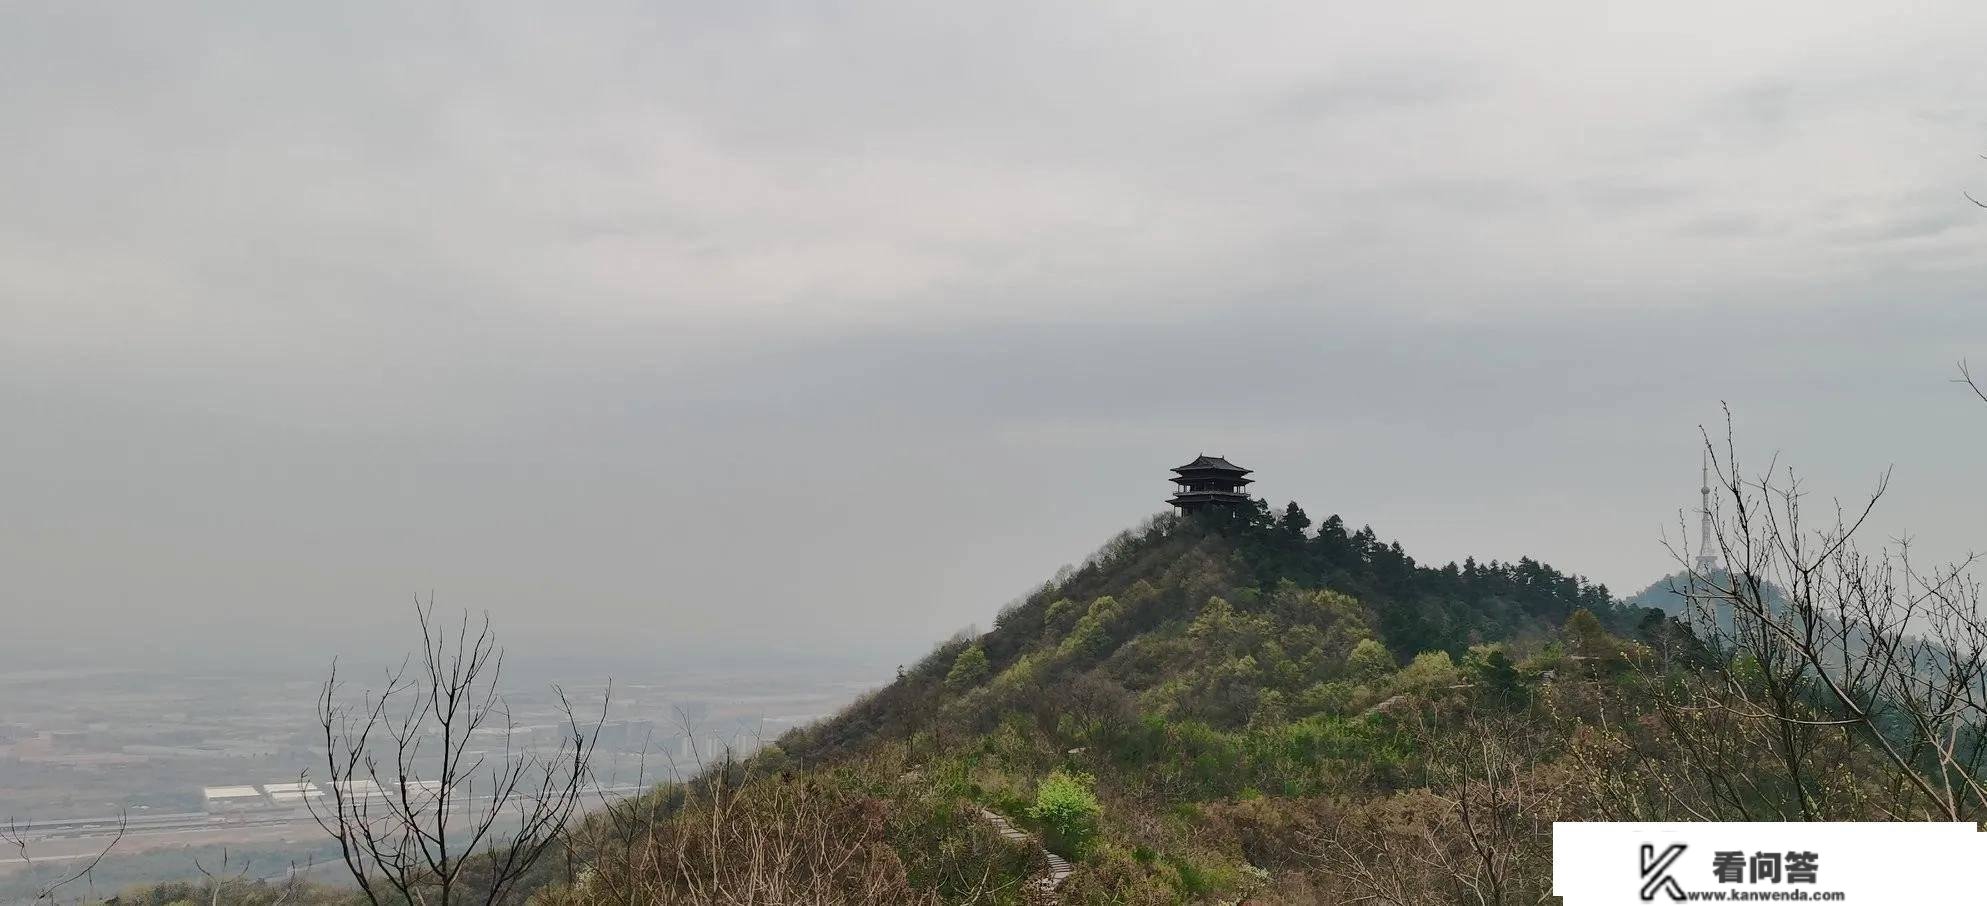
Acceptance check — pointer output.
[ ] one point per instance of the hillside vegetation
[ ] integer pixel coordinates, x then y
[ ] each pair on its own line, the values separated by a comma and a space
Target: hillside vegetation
1251, 702
1236, 706
1208, 709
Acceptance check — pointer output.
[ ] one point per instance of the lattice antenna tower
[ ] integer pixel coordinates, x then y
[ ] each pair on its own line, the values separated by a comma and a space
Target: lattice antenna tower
1707, 557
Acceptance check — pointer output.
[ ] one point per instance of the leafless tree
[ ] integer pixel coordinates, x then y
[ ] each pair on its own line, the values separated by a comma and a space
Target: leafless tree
1479, 833
219, 881
431, 800
224, 886
739, 839
1825, 642
16, 836
1503, 812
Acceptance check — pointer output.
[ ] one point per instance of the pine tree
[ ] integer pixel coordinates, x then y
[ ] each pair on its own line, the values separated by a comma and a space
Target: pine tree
1294, 522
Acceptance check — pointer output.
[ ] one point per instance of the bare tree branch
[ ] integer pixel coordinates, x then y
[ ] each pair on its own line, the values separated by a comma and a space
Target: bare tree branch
15, 836
481, 819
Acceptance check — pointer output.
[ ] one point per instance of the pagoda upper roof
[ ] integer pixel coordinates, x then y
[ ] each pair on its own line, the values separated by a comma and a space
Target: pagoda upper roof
1206, 463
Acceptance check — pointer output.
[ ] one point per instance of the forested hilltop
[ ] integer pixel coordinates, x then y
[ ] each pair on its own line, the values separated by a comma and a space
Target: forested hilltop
1214, 617
1234, 706
1211, 708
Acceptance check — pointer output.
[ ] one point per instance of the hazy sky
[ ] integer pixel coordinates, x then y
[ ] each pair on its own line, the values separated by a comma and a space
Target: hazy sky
699, 327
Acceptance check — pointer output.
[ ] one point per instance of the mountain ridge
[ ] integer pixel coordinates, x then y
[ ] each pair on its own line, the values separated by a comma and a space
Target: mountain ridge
1240, 557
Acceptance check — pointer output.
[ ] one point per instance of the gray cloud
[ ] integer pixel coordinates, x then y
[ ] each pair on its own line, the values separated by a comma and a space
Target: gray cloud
762, 323
1400, 85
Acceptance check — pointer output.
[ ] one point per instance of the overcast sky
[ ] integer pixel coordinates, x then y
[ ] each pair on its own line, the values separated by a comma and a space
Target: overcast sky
736, 326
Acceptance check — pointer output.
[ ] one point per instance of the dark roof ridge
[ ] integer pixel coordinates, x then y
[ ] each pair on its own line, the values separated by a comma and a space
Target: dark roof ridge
1204, 461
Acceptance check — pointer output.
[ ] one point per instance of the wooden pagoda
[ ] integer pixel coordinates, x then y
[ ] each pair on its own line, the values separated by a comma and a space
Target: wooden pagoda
1209, 481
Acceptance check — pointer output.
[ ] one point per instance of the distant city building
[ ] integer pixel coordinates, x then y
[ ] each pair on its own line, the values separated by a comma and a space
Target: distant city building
360, 790
1209, 481
291, 793
224, 799
618, 735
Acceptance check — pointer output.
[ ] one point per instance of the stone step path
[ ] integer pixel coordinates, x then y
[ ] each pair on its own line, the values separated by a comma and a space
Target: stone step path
1042, 889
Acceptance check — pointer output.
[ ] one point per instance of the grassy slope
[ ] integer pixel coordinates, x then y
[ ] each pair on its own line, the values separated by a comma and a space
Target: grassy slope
1262, 712
1219, 704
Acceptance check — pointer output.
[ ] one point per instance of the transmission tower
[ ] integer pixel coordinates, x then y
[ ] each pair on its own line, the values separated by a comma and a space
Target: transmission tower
1707, 558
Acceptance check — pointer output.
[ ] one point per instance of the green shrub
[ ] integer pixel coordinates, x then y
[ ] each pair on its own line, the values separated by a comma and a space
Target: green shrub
1061, 613
1270, 711
1193, 881
1492, 670
1335, 699
969, 670
1067, 808
1094, 636
1369, 659
1430, 671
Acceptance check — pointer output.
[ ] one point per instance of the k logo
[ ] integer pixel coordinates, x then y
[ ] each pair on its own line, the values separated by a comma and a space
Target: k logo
1656, 872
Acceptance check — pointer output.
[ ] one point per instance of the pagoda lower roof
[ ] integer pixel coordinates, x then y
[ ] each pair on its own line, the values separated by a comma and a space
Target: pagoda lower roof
1205, 475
